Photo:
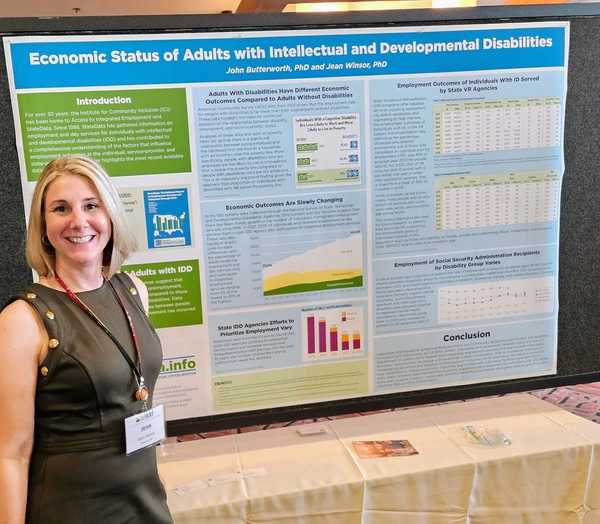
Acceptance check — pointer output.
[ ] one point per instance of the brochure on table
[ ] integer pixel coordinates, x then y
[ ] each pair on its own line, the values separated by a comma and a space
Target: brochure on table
321, 214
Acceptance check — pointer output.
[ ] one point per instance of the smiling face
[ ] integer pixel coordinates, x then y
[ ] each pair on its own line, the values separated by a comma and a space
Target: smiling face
77, 225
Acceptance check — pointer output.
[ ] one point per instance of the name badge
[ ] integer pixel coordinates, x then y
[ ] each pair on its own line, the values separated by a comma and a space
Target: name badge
145, 429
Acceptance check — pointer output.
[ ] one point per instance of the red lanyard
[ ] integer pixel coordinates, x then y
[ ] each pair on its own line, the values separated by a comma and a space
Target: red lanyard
141, 393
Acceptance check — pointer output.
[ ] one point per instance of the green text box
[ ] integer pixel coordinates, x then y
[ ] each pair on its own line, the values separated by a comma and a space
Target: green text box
173, 290
291, 385
133, 132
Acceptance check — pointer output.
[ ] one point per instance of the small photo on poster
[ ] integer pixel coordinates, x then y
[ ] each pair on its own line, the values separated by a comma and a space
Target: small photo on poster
367, 449
167, 217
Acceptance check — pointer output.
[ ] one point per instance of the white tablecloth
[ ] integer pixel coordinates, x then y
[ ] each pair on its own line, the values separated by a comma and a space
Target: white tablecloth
549, 474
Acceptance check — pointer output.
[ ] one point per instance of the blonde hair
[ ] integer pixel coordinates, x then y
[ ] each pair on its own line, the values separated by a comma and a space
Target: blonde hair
40, 254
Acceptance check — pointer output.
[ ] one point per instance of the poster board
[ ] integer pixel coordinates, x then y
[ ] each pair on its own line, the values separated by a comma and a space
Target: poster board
222, 262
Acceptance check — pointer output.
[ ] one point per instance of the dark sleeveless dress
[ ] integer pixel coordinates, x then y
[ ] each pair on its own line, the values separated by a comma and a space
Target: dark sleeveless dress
79, 472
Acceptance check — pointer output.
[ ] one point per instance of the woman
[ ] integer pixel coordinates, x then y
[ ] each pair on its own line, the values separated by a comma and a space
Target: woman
78, 357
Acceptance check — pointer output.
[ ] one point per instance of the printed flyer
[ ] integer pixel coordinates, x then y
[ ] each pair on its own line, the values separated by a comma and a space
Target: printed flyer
321, 214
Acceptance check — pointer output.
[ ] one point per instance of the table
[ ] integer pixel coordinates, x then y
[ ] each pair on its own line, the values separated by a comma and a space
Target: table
500, 199
549, 474
474, 126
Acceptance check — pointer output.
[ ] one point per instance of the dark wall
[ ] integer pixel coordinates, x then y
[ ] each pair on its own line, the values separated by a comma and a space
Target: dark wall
15, 273
579, 326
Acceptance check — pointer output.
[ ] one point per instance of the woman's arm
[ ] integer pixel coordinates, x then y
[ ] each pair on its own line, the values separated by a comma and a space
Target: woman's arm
142, 290
22, 339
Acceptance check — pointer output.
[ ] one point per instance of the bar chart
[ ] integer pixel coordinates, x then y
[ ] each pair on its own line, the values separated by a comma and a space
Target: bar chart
168, 223
333, 332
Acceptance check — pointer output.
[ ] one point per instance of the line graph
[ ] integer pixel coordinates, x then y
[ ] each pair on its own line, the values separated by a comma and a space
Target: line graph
504, 298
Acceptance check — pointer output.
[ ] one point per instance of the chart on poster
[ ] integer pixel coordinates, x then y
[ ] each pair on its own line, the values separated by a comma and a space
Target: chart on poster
464, 202
326, 214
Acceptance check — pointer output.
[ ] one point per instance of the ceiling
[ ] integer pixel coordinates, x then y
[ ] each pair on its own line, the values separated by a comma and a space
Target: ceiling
68, 8
44, 8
